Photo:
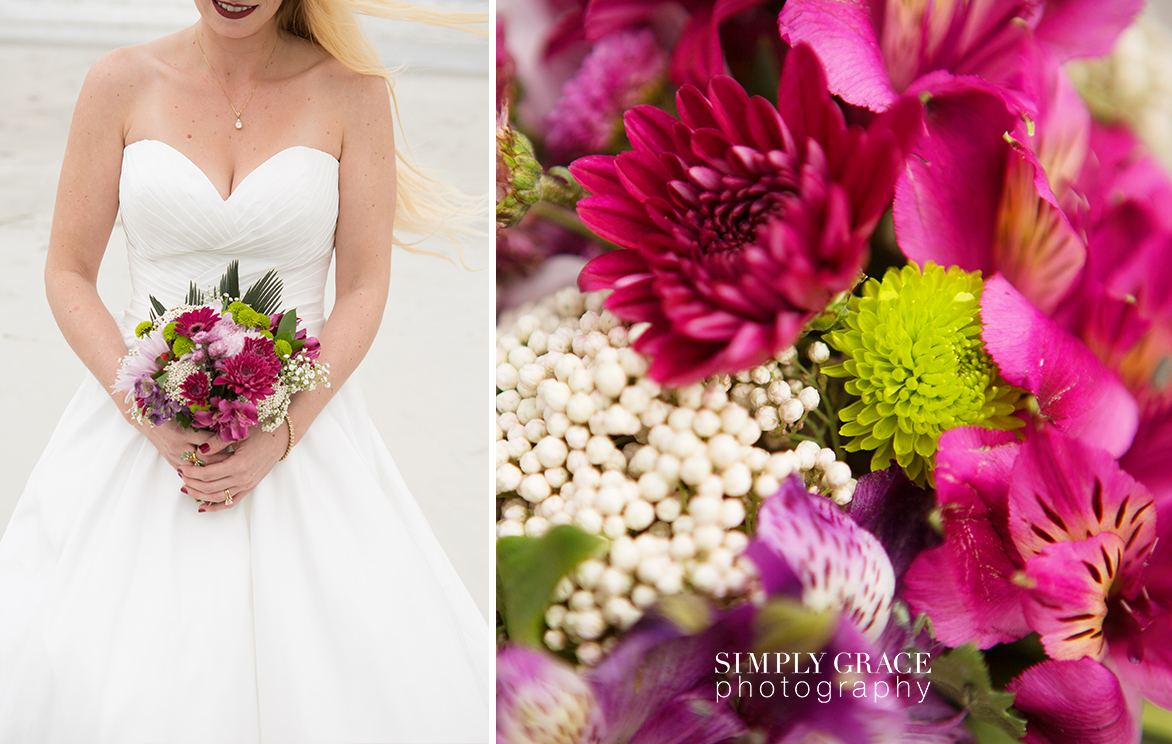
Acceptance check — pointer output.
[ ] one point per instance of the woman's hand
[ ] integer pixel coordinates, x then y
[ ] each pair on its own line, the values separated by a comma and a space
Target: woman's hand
236, 473
173, 442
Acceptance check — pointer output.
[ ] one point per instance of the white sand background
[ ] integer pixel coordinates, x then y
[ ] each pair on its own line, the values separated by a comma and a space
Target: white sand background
424, 378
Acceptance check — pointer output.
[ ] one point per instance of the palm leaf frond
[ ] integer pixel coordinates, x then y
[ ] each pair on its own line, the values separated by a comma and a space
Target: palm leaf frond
157, 308
265, 295
194, 295
230, 281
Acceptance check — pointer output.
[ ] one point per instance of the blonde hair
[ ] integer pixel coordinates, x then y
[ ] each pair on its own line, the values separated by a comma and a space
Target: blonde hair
426, 205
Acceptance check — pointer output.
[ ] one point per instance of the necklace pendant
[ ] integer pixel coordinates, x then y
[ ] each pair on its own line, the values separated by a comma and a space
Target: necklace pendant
239, 124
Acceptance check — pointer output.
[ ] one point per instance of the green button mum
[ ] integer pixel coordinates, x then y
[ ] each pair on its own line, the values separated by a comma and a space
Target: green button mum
916, 361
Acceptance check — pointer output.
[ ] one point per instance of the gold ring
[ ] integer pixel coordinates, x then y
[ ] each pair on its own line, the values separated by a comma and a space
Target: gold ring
193, 458
228, 494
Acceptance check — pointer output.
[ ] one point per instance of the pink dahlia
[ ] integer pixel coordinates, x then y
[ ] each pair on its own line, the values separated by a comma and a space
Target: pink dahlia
253, 372
741, 221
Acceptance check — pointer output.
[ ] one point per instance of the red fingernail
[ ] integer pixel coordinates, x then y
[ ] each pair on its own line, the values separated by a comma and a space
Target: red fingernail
204, 447
202, 510
183, 489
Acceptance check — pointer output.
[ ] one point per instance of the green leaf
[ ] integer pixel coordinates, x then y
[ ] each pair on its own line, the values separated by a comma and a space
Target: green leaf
265, 295
528, 571
961, 677
288, 325
785, 625
988, 733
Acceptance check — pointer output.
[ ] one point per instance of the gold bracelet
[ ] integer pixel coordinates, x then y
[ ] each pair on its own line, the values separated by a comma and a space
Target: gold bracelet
288, 447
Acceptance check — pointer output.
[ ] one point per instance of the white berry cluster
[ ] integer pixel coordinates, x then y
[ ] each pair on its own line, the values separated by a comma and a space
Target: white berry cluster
669, 476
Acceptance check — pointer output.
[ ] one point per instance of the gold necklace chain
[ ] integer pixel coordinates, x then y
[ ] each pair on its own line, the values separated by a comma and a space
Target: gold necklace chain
239, 124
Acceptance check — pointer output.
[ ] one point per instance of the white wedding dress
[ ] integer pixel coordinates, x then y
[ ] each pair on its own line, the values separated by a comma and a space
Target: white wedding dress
321, 609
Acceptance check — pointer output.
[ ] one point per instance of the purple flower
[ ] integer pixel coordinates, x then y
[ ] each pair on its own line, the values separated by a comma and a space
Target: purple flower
741, 221
838, 564
153, 402
623, 69
231, 419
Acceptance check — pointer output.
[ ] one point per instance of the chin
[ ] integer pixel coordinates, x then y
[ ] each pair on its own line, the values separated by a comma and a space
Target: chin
236, 19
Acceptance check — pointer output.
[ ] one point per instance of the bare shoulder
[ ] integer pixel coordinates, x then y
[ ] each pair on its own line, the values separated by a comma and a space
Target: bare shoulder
359, 98
121, 78
116, 77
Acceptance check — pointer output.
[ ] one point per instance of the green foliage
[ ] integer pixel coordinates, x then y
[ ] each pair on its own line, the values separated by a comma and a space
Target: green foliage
785, 625
528, 571
961, 677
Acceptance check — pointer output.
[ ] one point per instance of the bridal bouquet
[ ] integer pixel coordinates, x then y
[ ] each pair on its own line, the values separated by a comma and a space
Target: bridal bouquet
224, 363
833, 394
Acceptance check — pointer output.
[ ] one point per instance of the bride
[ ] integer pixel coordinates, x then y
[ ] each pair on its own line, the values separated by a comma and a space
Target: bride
289, 590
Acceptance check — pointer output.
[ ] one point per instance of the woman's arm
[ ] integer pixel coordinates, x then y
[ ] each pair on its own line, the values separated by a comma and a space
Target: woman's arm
366, 211
83, 216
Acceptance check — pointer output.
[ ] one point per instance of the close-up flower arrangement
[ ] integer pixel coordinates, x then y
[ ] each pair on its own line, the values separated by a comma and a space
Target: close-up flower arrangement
221, 361
834, 352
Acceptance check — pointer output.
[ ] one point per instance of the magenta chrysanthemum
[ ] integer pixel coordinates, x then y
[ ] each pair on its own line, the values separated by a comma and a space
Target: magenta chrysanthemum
193, 321
741, 220
196, 388
253, 372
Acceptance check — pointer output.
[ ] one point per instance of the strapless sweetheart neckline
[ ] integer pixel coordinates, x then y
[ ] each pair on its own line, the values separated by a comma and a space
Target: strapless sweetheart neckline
240, 184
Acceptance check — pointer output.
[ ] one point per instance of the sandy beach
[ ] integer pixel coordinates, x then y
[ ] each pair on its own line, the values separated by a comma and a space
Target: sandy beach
424, 378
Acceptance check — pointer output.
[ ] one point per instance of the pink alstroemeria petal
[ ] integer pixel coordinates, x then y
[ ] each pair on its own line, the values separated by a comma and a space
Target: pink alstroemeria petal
1085, 28
1074, 389
842, 34
1068, 599
948, 199
1073, 701
1151, 674
966, 585
840, 564
1064, 490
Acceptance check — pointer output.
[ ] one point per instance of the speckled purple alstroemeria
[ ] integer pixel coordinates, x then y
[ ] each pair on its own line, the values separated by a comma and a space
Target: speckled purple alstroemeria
657, 687
840, 565
1049, 536
540, 698
740, 220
